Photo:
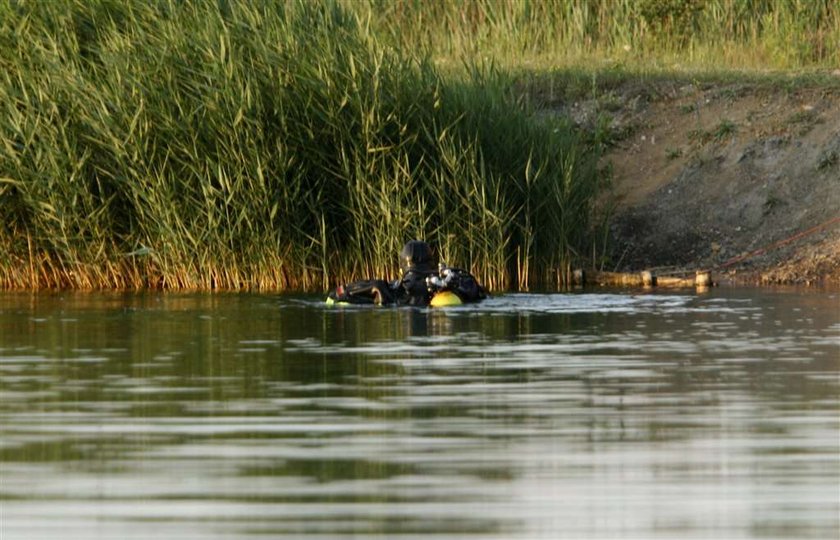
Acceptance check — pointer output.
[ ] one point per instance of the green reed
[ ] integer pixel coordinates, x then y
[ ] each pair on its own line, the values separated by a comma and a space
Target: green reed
271, 145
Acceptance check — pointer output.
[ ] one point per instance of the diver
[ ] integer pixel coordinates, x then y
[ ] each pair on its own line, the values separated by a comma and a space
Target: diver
422, 280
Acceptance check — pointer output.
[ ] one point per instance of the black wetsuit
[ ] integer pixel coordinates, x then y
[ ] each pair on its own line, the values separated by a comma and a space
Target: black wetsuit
412, 289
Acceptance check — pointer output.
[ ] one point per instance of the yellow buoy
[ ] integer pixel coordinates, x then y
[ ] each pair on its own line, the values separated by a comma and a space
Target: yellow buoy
445, 298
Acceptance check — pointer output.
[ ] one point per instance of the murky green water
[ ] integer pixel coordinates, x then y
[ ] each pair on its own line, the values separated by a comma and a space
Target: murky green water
529, 416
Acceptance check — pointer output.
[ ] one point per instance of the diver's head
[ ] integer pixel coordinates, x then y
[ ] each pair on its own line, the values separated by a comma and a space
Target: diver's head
417, 256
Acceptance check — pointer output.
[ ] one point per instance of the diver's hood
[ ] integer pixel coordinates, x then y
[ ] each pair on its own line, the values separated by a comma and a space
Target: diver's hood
417, 256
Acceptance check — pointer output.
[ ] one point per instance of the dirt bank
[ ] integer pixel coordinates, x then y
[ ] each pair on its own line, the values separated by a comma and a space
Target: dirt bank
724, 176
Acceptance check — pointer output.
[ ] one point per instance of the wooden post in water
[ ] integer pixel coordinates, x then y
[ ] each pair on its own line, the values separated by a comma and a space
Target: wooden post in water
675, 282
702, 279
614, 279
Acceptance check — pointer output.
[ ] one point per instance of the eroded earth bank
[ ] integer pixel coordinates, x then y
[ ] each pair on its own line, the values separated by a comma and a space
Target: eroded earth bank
738, 178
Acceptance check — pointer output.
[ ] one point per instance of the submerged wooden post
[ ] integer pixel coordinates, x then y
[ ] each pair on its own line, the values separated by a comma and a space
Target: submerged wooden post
703, 278
615, 279
675, 282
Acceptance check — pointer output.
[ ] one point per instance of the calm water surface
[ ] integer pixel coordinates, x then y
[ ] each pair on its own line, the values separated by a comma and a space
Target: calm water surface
529, 416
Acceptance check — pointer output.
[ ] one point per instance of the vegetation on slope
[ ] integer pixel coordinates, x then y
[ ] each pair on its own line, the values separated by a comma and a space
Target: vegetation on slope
640, 35
293, 144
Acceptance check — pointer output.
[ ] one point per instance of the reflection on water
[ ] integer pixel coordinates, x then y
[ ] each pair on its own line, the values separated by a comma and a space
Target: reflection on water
528, 416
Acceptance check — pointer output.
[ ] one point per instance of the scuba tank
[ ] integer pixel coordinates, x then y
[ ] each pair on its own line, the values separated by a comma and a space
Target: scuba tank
441, 287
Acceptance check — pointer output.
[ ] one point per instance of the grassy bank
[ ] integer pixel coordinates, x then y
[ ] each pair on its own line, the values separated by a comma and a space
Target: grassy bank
640, 35
285, 145
293, 145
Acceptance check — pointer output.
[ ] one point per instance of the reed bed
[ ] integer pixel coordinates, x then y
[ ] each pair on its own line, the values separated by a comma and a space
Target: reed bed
267, 145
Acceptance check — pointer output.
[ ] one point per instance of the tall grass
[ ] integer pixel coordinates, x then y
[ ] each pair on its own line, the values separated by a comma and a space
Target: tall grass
642, 35
269, 145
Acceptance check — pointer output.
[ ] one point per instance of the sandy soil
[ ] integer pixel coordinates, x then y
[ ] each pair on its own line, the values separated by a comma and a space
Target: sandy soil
741, 180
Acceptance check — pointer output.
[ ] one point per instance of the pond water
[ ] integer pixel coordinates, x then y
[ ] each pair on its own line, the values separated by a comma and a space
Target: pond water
593, 415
